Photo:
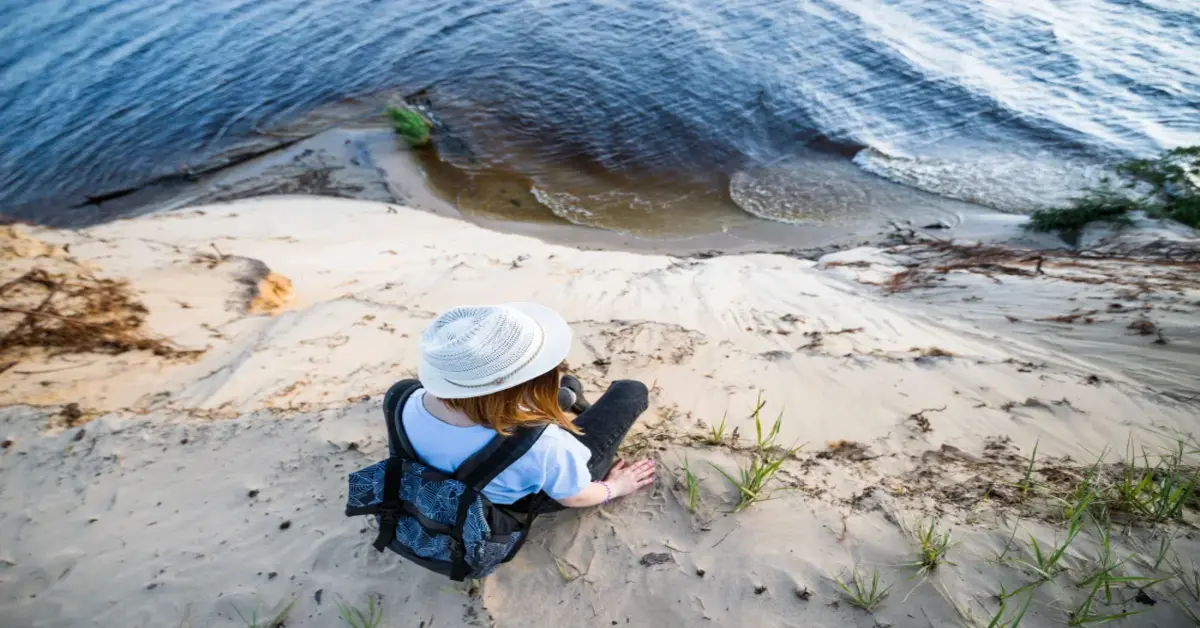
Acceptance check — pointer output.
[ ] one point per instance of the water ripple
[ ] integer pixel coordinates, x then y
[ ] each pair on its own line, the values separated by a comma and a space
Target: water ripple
950, 96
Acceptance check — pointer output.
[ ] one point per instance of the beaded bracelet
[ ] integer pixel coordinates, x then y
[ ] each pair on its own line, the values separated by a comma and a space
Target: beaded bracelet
608, 492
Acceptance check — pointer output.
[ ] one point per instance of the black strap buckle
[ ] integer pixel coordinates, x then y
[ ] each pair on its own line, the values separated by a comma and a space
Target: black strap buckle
389, 517
390, 512
458, 561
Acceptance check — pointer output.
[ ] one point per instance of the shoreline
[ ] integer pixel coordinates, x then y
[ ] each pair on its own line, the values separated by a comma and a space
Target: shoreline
344, 151
363, 161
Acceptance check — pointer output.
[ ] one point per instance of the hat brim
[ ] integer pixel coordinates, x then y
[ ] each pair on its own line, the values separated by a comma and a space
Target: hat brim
555, 346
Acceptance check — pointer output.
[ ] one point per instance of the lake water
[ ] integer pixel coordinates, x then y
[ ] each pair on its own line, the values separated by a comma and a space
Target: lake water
791, 110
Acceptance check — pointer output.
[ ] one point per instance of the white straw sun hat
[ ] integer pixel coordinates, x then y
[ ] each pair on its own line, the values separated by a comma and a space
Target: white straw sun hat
473, 351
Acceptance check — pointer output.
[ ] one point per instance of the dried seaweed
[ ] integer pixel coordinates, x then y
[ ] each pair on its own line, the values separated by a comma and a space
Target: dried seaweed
75, 313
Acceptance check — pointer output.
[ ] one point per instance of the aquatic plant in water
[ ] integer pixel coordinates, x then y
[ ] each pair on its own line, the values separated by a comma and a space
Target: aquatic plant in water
410, 125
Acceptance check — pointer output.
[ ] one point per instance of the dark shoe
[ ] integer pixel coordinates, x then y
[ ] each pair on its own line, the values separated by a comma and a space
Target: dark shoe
566, 398
572, 392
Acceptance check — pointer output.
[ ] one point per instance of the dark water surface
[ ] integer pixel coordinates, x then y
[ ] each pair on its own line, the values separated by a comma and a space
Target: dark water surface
1008, 103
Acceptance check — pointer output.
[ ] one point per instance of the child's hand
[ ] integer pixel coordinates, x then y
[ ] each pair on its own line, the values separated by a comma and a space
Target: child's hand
625, 479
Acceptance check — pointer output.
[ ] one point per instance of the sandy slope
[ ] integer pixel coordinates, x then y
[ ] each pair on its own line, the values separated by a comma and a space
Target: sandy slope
144, 517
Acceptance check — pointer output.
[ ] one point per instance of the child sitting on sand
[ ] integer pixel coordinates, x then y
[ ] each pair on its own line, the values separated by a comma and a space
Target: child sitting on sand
482, 444
488, 370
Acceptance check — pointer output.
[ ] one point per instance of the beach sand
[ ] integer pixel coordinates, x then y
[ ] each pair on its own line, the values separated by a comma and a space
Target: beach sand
201, 476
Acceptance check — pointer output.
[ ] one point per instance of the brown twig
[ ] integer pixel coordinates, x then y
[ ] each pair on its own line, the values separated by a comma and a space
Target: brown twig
922, 422
44, 371
841, 536
35, 313
23, 278
731, 531
30, 316
1068, 318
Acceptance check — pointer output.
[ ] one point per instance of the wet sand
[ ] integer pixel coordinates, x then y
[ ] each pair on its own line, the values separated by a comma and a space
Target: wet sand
363, 161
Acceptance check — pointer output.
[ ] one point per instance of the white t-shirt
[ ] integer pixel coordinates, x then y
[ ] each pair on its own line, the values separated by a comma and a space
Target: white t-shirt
556, 464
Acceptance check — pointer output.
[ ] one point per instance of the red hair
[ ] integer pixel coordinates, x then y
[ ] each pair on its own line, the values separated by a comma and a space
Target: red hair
534, 402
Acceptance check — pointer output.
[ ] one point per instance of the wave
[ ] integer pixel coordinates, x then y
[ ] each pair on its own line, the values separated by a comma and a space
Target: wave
631, 89
796, 196
1008, 182
564, 205
825, 189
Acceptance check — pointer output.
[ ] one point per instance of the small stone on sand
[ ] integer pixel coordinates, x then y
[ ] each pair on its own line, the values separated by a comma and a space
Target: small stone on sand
656, 558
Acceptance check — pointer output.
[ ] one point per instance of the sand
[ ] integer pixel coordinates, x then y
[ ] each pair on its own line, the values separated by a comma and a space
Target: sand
186, 487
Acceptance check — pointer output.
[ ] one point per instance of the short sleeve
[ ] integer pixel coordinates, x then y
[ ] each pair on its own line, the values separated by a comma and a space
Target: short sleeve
565, 465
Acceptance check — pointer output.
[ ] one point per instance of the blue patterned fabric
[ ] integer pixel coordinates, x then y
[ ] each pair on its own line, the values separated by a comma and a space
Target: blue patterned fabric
437, 498
366, 486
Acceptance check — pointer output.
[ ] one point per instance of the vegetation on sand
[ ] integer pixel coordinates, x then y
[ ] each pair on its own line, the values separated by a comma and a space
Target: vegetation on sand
1044, 562
861, 594
752, 478
998, 620
1155, 492
1140, 489
1102, 205
359, 618
1027, 481
693, 487
935, 543
1165, 187
1105, 578
716, 434
1147, 489
278, 621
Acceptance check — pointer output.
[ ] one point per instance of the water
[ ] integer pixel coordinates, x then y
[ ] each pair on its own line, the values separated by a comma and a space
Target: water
597, 104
